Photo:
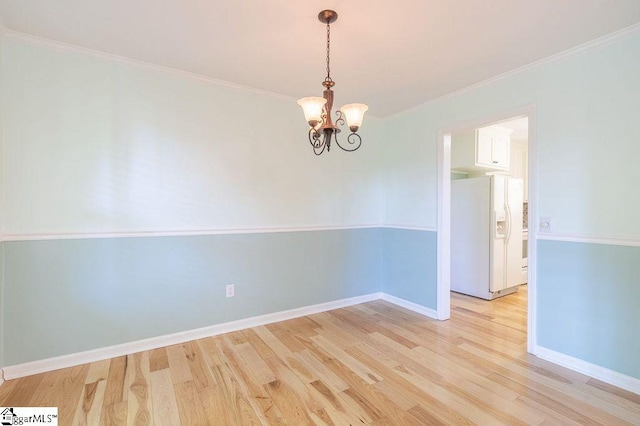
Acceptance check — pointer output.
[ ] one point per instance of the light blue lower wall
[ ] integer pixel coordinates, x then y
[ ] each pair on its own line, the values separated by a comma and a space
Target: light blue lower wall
67, 296
589, 303
409, 258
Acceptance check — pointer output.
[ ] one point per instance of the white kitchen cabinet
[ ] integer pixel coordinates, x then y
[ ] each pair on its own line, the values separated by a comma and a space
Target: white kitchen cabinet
483, 149
492, 147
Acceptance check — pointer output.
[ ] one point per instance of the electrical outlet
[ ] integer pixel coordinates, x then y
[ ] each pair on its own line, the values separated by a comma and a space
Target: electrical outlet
231, 291
545, 224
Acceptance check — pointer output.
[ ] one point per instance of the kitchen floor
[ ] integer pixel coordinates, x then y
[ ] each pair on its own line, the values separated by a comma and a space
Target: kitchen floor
509, 312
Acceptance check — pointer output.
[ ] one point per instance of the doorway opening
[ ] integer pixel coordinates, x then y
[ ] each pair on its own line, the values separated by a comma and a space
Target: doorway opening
486, 194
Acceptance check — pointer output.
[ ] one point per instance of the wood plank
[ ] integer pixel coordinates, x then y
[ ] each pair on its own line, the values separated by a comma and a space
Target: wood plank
197, 365
226, 399
48, 382
407, 395
610, 389
256, 367
461, 404
256, 395
360, 398
361, 370
68, 392
554, 385
139, 398
89, 408
178, 365
286, 334
189, 406
289, 387
158, 359
455, 371
319, 370
22, 390
393, 332
274, 343
114, 412
424, 416
565, 410
259, 345
165, 407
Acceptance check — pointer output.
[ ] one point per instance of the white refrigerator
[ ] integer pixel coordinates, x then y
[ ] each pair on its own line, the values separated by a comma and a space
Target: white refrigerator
486, 236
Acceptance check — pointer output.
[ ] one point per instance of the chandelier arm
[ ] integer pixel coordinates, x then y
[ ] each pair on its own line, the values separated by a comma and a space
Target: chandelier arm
340, 119
314, 139
353, 139
320, 147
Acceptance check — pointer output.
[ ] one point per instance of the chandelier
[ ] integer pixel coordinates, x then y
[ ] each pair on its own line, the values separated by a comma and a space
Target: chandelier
317, 110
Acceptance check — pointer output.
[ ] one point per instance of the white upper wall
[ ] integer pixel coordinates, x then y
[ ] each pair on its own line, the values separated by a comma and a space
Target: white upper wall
91, 145
587, 141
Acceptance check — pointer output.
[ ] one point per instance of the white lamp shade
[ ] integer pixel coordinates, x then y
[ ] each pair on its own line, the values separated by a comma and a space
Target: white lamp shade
312, 107
354, 114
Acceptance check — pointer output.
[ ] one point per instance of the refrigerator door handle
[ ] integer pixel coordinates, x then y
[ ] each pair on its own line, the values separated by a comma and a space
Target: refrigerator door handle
508, 209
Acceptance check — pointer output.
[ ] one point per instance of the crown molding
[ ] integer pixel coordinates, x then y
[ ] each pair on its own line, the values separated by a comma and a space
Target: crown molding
110, 57
605, 40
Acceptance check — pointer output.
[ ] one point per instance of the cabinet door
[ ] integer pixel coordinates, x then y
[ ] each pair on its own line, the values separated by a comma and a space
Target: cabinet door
483, 147
500, 151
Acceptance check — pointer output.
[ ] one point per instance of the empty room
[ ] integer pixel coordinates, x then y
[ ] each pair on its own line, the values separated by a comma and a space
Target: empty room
319, 212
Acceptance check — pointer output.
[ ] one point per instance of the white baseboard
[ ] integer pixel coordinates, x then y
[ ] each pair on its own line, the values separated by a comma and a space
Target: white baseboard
423, 310
64, 361
614, 378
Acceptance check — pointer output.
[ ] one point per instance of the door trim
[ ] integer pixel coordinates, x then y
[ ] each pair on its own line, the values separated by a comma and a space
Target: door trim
443, 280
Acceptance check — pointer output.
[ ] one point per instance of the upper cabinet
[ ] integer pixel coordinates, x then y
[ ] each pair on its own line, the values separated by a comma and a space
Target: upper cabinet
483, 149
492, 147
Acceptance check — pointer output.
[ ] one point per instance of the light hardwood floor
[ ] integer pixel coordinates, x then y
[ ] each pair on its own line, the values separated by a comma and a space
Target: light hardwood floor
373, 363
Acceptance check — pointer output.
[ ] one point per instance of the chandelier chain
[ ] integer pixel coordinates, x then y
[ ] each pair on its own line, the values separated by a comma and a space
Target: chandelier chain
328, 78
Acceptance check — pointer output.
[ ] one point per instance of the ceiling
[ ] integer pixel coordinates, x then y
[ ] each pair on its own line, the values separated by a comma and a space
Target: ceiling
391, 55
